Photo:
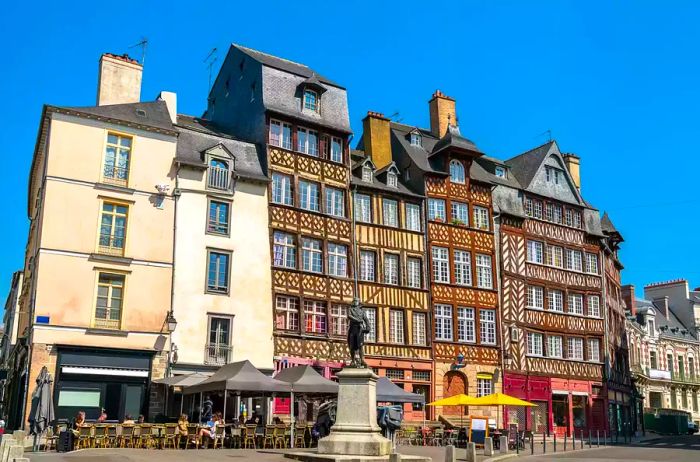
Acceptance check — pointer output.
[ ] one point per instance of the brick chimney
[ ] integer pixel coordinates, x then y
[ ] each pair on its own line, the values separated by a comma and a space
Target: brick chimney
377, 138
119, 80
442, 113
662, 304
573, 165
629, 298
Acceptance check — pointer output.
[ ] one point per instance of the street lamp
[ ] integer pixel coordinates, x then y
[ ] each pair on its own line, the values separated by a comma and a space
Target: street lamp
171, 322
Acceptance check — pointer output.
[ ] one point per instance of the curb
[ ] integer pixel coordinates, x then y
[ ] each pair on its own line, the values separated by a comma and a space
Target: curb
501, 457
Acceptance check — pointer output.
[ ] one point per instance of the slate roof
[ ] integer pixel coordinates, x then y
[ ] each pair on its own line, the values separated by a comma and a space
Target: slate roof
196, 136
672, 327
379, 182
607, 225
526, 165
454, 139
152, 114
284, 65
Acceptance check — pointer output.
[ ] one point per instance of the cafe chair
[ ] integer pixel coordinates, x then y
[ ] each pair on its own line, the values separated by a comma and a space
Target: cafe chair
84, 437
249, 437
126, 439
219, 436
192, 436
170, 436
300, 436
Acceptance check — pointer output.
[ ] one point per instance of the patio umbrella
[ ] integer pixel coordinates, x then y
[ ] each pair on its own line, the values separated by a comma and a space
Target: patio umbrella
456, 400
501, 399
41, 414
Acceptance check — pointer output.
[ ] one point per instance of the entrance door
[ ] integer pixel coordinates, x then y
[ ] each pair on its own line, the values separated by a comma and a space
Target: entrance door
453, 383
560, 414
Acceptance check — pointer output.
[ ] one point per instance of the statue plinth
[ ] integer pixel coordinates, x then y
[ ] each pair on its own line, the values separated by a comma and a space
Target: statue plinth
355, 431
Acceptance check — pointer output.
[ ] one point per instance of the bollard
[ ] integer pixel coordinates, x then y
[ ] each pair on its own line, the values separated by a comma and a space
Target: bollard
555, 442
450, 453
589, 438
15, 452
597, 437
395, 457
544, 443
566, 437
503, 444
532, 443
488, 446
471, 452
573, 441
582, 438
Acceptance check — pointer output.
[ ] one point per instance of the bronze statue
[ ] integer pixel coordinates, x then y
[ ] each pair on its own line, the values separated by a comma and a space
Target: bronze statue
358, 326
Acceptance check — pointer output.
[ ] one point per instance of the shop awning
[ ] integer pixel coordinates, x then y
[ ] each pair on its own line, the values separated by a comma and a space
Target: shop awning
104, 371
388, 391
305, 379
484, 375
242, 377
185, 380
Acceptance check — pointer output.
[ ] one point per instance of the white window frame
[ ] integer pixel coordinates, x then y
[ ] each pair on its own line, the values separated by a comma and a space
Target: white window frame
363, 208
315, 106
368, 262
462, 267
436, 209
555, 256
392, 180
441, 264
574, 260
416, 139
367, 173
311, 255
466, 325
312, 202
391, 269
420, 337
575, 348
443, 322
304, 144
337, 260
484, 271
335, 202
593, 347
336, 155
575, 303
535, 252
414, 277
397, 325
282, 191
592, 263
284, 244
457, 172
555, 300
280, 139
534, 344
459, 213
413, 221
535, 297
555, 346
390, 212
371, 313
481, 218
487, 326
288, 307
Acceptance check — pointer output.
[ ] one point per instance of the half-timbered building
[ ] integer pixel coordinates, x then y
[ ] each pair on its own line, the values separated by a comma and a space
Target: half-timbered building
552, 293
300, 119
390, 236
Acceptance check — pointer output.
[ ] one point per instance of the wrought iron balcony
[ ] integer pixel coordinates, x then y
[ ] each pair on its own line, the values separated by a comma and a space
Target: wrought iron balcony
111, 245
216, 354
219, 178
115, 175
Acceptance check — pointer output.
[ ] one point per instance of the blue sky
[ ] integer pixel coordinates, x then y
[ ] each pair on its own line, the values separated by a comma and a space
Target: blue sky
615, 82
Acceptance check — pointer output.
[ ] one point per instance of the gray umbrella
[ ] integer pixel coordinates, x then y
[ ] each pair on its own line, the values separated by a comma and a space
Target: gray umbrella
41, 414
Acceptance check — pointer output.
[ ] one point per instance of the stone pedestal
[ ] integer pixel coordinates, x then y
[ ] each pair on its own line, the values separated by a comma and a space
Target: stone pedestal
355, 431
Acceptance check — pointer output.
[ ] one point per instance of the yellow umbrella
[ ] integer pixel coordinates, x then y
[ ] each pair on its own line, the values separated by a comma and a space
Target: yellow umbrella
456, 400
500, 399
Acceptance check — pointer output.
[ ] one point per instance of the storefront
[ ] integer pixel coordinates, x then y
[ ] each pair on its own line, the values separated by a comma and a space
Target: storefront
537, 390
93, 379
327, 369
412, 376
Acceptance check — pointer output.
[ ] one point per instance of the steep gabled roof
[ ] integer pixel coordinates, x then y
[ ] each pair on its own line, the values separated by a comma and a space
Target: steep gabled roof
453, 139
607, 225
525, 166
153, 114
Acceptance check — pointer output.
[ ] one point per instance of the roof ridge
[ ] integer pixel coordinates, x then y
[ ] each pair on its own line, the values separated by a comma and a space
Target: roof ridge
530, 150
271, 56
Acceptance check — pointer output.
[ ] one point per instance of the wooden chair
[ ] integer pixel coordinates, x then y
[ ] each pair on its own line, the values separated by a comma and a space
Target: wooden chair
300, 436
235, 437
249, 436
157, 435
85, 439
144, 436
192, 436
111, 436
438, 436
279, 437
99, 436
126, 439
269, 436
219, 436
169, 436
50, 440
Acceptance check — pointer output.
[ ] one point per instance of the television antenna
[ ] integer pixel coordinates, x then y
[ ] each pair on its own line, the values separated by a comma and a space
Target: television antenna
143, 44
396, 117
548, 133
209, 61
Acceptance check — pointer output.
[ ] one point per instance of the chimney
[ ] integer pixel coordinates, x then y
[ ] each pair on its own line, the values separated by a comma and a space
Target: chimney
662, 304
573, 165
442, 113
629, 298
119, 80
377, 138
170, 99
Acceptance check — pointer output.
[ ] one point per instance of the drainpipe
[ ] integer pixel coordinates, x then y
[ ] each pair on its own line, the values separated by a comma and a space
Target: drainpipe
497, 279
356, 257
176, 196
605, 337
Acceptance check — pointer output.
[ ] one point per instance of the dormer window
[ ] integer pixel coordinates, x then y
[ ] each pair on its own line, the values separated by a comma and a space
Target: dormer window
367, 174
500, 172
391, 180
219, 174
311, 100
456, 172
554, 175
416, 139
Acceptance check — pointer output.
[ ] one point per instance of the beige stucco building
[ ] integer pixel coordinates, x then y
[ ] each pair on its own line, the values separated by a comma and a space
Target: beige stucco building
98, 263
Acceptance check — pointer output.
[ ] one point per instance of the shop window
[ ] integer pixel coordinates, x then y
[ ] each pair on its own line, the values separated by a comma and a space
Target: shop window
579, 411
423, 390
394, 374
560, 410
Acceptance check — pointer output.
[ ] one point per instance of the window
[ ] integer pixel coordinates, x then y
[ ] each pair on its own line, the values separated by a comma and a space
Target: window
481, 218
217, 275
363, 208
456, 171
117, 155
441, 265
339, 319
315, 316
537, 208
337, 260
308, 195
413, 269
419, 330
287, 313
282, 189
311, 100
443, 322
555, 300
113, 228
394, 374
335, 202
460, 213
569, 217
416, 139
484, 278
110, 299
436, 209
691, 367
575, 348
554, 346
669, 362
577, 218
367, 263
465, 325
594, 306
591, 263
219, 345
391, 269
390, 214
367, 174
535, 297
500, 172
219, 175
284, 250
311, 255
653, 363
391, 180
574, 260
548, 211
576, 304
396, 326
557, 214
534, 251
594, 350
534, 344
280, 134
336, 150
307, 141
218, 217
650, 327
487, 326
484, 387
554, 175
371, 313
413, 217
421, 376
528, 207
555, 256
463, 268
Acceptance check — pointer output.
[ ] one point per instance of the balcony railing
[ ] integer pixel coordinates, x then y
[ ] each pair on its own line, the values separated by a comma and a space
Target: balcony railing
219, 178
115, 175
111, 245
216, 354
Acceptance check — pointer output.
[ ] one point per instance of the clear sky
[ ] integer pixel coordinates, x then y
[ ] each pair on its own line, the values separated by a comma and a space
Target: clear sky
615, 82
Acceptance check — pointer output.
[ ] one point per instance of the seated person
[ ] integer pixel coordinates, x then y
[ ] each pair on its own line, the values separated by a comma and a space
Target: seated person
182, 424
142, 419
78, 420
128, 420
252, 420
210, 430
277, 421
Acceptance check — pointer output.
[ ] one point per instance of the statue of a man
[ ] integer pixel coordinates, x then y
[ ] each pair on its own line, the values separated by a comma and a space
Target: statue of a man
358, 326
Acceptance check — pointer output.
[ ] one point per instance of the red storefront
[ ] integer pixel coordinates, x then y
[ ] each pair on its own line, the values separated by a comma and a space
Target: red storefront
563, 405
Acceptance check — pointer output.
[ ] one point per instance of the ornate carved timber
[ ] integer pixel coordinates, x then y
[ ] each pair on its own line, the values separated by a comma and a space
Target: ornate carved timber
564, 277
555, 232
514, 253
473, 354
397, 351
389, 238
323, 170
309, 224
513, 296
563, 322
464, 296
564, 368
322, 349
376, 294
312, 286
459, 236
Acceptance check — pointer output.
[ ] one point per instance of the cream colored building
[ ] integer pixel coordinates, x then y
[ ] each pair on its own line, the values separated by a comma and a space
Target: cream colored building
222, 298
99, 256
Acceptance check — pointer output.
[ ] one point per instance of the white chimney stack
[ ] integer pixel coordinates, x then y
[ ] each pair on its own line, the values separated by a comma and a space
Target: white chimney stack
119, 80
170, 99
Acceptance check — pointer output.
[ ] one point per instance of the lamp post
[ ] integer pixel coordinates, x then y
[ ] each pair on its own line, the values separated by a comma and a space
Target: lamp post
171, 324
